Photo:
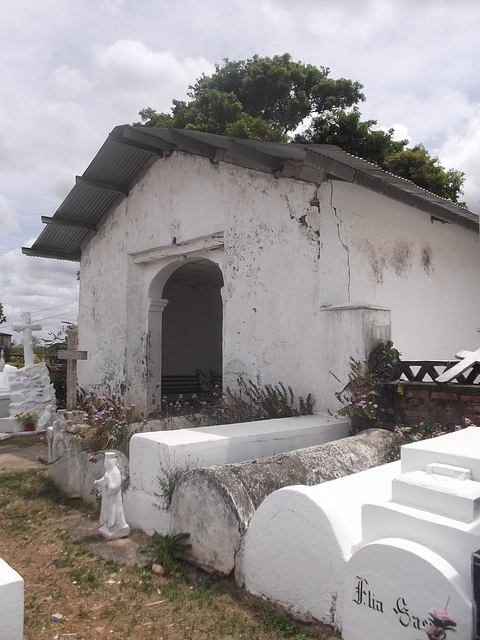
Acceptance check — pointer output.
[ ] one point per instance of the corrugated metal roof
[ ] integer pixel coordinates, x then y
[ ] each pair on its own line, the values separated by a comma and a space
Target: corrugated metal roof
129, 151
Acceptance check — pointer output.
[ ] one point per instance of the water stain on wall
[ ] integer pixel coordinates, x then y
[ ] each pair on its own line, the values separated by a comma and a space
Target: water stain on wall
400, 257
376, 261
395, 256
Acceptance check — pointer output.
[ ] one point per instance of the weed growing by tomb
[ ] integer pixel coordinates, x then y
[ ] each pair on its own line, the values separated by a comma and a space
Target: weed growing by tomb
360, 396
276, 401
168, 480
406, 435
168, 550
249, 403
101, 422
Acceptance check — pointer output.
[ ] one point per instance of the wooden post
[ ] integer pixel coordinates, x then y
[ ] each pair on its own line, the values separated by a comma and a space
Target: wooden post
71, 355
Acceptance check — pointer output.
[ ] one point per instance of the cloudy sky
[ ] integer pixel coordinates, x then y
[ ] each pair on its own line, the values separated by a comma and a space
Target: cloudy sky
71, 70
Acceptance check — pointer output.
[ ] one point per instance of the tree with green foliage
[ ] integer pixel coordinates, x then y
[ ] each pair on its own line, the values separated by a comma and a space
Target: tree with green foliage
358, 137
271, 98
417, 165
258, 98
348, 131
2, 315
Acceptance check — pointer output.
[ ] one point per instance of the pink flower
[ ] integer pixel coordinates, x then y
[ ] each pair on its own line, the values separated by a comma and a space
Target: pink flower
430, 629
441, 614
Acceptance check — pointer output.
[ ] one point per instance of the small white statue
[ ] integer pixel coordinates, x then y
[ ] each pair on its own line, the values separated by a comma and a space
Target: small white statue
112, 519
45, 419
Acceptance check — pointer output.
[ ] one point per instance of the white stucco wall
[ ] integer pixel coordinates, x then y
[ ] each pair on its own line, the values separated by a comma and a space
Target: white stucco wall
280, 270
425, 271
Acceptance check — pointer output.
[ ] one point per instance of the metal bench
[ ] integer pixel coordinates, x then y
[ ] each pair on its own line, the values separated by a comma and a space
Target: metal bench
180, 385
199, 384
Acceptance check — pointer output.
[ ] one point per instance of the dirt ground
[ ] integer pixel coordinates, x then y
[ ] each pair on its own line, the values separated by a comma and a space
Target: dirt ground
97, 587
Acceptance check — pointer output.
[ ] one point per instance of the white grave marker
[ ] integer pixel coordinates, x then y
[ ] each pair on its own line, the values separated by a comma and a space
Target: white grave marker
468, 359
31, 389
26, 327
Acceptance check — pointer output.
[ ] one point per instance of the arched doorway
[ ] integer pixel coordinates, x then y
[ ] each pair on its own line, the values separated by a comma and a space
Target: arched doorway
191, 325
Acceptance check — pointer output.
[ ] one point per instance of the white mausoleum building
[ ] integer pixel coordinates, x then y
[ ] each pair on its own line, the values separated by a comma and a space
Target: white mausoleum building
267, 260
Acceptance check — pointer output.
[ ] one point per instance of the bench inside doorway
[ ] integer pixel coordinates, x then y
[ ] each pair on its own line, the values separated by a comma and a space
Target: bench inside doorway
198, 384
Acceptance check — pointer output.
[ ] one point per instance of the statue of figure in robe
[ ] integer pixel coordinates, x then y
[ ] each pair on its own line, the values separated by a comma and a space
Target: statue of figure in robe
112, 519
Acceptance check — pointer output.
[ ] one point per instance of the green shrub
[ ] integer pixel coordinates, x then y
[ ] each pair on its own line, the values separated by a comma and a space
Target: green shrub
406, 435
102, 422
251, 402
168, 550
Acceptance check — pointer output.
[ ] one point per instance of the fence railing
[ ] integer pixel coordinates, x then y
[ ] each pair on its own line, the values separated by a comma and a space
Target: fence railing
429, 370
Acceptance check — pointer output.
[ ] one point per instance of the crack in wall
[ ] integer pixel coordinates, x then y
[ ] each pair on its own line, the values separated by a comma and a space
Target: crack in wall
341, 225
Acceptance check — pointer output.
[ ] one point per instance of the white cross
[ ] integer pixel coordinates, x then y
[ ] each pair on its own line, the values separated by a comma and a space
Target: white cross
469, 358
26, 326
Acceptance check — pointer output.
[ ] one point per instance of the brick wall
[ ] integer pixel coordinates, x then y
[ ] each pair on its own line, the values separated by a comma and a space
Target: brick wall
430, 402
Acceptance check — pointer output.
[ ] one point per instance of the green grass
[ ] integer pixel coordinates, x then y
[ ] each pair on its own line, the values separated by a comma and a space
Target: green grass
194, 605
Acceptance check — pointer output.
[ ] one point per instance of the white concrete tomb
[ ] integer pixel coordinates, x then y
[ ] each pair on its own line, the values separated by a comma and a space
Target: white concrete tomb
153, 455
416, 550
300, 539
11, 603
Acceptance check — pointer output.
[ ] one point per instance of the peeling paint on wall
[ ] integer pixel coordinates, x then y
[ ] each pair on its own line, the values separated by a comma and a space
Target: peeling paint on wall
426, 261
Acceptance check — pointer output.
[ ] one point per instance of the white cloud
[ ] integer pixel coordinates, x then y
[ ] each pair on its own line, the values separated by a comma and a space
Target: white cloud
461, 151
67, 83
8, 222
113, 6
140, 76
46, 288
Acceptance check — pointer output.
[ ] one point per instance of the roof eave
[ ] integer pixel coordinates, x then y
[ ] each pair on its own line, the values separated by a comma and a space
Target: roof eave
56, 255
